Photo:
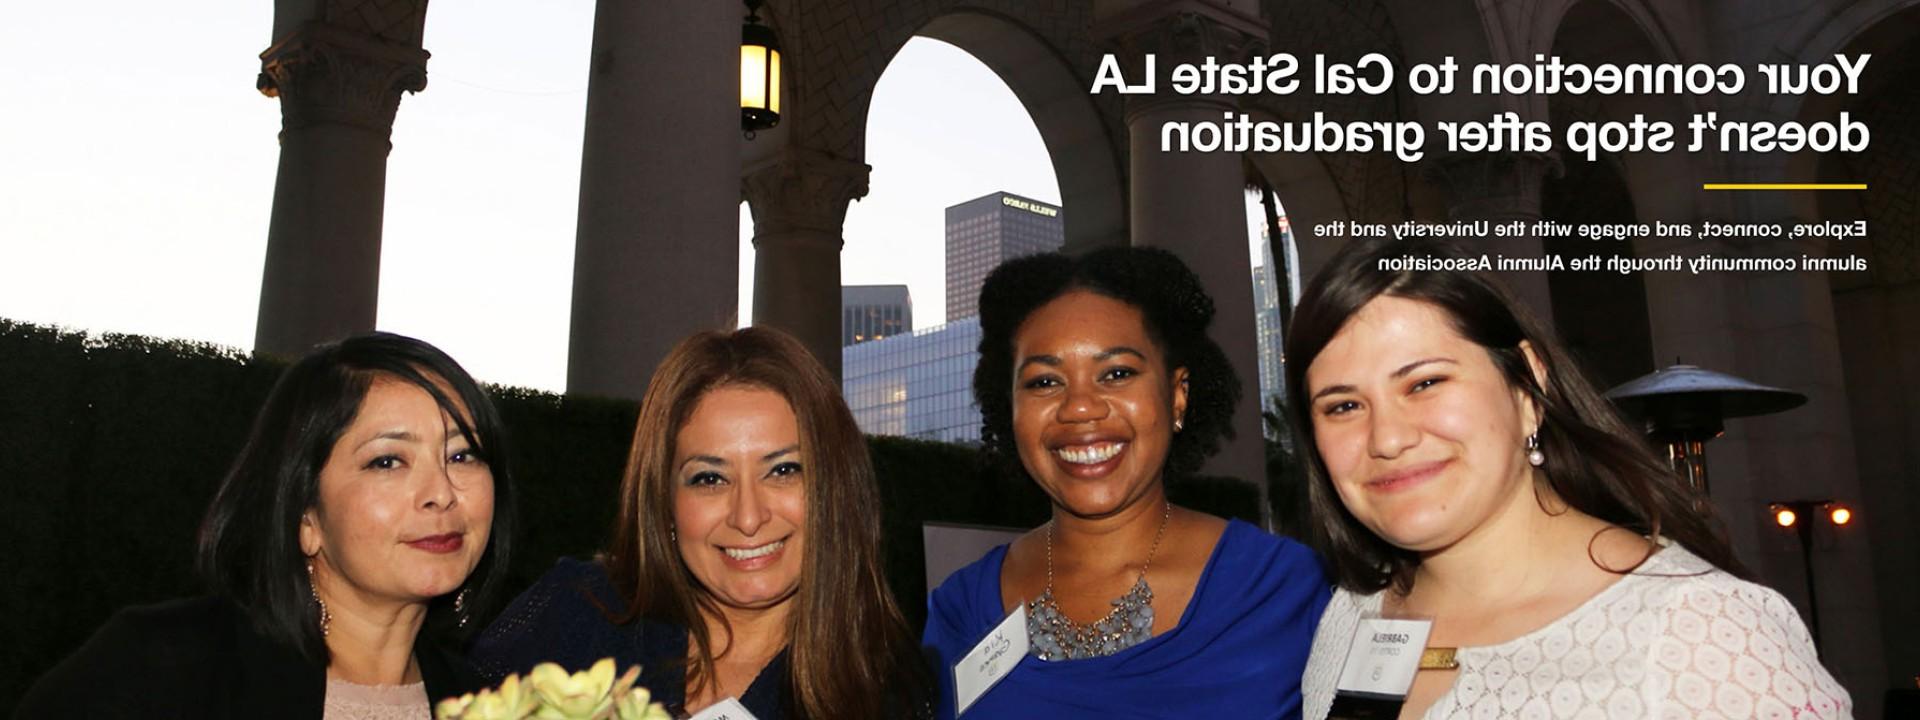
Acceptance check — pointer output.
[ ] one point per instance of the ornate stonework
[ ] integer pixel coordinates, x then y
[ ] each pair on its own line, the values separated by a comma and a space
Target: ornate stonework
840, 48
326, 75
395, 21
1495, 185
803, 191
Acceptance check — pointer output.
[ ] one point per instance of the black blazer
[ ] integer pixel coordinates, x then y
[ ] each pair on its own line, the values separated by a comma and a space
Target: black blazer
202, 658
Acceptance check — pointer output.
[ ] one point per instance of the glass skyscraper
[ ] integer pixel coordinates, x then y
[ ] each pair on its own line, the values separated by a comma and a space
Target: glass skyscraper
1273, 284
918, 385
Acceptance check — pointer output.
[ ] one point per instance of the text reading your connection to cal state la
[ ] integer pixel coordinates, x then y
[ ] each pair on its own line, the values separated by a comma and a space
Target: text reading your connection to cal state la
1507, 131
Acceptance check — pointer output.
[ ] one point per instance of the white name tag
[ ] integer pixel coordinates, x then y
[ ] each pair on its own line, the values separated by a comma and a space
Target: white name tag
1384, 657
728, 709
990, 660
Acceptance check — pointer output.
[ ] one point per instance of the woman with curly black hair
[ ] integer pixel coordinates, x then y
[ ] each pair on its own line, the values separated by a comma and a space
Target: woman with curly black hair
1097, 375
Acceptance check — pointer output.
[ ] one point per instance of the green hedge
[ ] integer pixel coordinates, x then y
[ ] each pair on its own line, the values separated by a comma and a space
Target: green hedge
111, 447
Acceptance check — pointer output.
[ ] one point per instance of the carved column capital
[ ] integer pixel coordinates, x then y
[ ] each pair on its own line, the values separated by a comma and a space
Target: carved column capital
1495, 185
324, 74
1178, 32
804, 191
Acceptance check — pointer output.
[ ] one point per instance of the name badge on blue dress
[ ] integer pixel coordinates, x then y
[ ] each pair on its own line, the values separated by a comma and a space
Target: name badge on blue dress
991, 660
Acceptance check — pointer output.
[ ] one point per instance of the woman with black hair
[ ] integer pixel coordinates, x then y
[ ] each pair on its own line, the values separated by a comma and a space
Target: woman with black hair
1098, 381
361, 526
1461, 470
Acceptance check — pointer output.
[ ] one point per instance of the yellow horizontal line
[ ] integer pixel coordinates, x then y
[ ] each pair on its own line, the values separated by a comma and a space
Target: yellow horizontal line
1784, 186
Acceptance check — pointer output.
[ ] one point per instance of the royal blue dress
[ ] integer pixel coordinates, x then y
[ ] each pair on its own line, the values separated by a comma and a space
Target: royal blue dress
1237, 652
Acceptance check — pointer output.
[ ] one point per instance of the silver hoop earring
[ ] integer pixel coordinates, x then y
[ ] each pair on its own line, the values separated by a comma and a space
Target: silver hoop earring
326, 618
1534, 456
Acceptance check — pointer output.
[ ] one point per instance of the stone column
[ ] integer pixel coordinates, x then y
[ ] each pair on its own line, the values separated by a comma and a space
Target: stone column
1500, 188
1194, 203
799, 201
656, 253
339, 75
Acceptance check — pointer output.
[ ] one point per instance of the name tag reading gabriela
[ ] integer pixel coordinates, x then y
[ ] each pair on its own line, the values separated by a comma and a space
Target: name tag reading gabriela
728, 709
991, 660
1380, 667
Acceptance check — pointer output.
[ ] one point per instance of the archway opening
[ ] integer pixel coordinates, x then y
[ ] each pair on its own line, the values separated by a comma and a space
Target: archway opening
1602, 316
961, 180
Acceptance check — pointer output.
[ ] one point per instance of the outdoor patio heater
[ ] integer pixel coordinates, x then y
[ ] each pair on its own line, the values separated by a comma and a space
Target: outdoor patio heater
1684, 406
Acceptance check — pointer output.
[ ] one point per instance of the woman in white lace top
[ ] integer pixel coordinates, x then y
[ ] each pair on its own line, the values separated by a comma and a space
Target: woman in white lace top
1461, 469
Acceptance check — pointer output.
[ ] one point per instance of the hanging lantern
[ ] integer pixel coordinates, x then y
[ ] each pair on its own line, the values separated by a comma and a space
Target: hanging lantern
759, 74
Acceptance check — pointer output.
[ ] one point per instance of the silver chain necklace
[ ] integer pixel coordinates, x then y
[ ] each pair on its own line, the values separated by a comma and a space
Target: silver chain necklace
1053, 636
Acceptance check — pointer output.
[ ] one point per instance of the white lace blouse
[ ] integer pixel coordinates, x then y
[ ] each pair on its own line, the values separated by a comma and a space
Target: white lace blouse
1676, 638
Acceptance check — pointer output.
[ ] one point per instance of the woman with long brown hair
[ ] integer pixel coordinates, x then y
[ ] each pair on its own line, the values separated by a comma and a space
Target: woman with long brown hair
745, 562
1462, 470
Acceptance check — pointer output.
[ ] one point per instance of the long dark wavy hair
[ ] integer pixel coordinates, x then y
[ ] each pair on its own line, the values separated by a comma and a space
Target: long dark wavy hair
850, 653
1595, 462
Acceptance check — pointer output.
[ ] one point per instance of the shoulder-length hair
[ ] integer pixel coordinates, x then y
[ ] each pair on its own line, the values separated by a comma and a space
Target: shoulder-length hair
249, 545
1595, 462
1176, 310
848, 644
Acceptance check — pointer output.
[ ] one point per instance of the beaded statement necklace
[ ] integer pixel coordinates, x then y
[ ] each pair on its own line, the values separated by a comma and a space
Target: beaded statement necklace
1054, 637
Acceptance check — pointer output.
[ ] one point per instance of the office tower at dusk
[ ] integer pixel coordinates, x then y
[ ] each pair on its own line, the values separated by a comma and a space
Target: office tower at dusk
989, 230
871, 312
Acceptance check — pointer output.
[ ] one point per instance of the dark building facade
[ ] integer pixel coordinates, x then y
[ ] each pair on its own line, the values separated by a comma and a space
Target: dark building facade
871, 312
989, 230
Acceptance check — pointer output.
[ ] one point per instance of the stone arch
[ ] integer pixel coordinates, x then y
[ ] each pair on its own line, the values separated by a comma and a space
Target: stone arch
1647, 21
1604, 316
1884, 28
1820, 35
1306, 189
847, 45
1616, 31
1372, 186
1470, 32
1043, 53
1080, 142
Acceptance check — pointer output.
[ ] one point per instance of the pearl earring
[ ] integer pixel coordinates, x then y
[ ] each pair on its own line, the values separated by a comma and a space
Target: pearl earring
1534, 456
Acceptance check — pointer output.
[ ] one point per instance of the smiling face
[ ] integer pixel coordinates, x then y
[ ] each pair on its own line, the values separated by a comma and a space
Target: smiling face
1422, 436
405, 503
739, 497
1094, 403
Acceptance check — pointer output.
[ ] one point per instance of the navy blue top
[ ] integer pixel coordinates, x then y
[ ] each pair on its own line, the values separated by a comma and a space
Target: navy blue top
558, 621
1238, 651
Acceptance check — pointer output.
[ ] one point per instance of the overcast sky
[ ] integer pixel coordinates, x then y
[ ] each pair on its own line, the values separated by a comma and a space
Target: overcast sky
139, 169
